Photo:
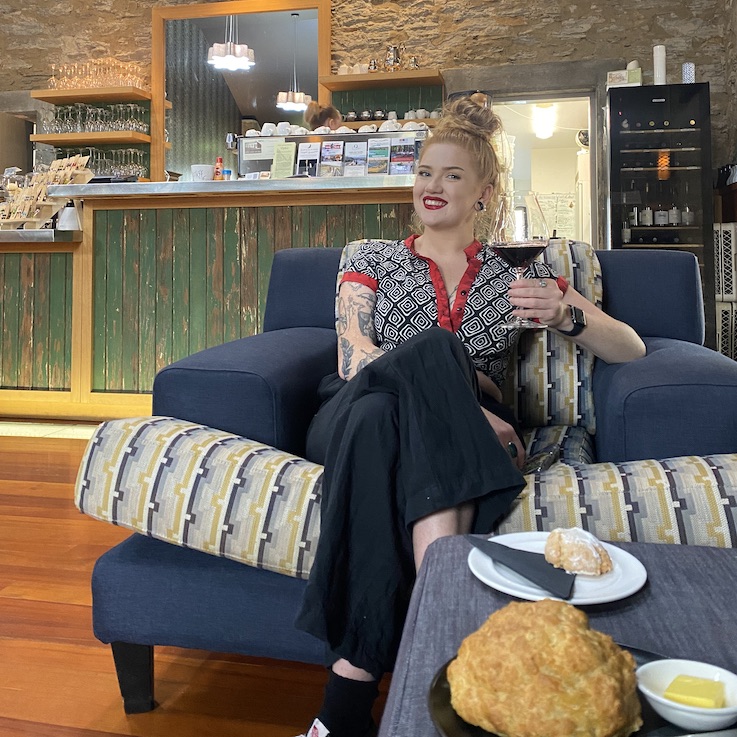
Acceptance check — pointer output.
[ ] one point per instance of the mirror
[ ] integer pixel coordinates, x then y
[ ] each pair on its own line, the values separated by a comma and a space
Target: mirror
242, 97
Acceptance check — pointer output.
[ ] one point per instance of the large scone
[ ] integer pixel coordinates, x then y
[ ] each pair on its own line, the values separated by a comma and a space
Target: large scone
536, 669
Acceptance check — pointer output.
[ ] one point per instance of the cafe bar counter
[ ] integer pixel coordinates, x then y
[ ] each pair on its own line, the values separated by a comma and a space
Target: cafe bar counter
161, 270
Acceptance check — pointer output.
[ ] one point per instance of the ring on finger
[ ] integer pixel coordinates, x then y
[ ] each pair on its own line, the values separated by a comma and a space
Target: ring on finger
512, 450
543, 283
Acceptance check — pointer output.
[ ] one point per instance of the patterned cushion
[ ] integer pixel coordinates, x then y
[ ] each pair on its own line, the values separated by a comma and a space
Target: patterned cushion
204, 489
228, 496
575, 443
550, 379
688, 500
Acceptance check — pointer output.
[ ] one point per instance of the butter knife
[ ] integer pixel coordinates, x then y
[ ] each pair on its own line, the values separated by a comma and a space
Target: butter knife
531, 566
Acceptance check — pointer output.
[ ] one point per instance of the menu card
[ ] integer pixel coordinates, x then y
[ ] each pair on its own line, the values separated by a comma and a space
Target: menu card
355, 158
378, 156
331, 159
308, 157
402, 156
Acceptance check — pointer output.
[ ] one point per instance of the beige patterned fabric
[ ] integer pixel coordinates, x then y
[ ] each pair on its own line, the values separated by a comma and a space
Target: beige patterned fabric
204, 489
550, 376
688, 500
228, 496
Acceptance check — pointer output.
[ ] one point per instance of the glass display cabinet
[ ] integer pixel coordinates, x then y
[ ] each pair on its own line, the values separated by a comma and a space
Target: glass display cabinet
660, 175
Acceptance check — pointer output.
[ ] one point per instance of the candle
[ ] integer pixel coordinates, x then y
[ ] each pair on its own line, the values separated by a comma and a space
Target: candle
659, 64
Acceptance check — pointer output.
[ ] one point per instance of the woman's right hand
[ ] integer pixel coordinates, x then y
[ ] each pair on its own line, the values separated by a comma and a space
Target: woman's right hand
506, 434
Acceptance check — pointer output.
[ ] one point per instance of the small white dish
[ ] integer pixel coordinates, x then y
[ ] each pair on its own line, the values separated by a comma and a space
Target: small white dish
344, 129
654, 678
252, 133
390, 125
411, 125
369, 128
322, 129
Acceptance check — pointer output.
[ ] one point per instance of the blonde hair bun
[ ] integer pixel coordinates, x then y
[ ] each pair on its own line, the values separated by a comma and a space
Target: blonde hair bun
469, 117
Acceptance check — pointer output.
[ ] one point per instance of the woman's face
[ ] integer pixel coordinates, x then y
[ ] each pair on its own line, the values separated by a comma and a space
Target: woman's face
447, 187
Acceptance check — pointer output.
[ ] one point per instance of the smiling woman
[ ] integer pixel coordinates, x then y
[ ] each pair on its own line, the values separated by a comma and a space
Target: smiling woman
206, 19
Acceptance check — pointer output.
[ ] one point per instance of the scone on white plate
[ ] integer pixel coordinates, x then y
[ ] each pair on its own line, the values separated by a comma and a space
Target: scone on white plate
577, 551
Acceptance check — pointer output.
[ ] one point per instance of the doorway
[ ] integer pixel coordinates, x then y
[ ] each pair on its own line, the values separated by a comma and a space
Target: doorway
548, 141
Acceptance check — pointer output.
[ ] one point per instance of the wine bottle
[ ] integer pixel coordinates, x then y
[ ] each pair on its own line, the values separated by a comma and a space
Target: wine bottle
661, 211
646, 215
674, 214
626, 232
633, 215
688, 216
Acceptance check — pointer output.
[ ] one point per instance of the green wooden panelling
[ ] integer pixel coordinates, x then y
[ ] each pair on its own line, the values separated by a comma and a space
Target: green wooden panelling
168, 283
147, 294
35, 321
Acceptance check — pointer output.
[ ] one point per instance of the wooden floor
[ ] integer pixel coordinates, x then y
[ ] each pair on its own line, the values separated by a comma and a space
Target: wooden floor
57, 680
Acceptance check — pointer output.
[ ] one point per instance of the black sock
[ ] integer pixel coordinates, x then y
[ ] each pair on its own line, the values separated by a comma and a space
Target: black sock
346, 708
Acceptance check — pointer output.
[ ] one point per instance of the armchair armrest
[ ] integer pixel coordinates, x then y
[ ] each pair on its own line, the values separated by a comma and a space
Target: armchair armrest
680, 399
263, 387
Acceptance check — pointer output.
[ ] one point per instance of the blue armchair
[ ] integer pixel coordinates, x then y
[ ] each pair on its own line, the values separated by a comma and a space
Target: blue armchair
680, 399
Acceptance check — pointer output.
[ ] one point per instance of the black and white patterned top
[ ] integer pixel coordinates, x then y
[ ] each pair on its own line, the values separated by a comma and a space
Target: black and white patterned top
411, 297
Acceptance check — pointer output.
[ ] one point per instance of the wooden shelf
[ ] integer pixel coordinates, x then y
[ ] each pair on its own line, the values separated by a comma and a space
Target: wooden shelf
408, 78
92, 94
90, 139
355, 125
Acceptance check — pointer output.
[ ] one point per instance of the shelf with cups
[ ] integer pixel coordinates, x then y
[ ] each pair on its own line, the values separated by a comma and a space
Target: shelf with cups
406, 78
356, 124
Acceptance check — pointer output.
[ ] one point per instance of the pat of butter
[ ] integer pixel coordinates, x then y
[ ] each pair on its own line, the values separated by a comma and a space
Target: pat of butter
694, 691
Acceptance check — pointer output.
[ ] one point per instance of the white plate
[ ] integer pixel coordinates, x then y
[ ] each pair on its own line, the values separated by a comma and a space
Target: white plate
627, 575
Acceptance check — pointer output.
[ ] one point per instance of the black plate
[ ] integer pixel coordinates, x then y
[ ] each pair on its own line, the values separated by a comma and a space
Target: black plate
449, 724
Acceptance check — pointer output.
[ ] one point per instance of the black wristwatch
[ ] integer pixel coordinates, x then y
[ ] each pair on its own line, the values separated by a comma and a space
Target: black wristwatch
578, 317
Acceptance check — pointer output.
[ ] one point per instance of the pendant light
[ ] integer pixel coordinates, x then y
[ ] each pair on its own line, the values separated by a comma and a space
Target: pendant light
293, 100
231, 56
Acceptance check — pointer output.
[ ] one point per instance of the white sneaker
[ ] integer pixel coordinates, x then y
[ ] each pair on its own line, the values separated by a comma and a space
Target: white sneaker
318, 729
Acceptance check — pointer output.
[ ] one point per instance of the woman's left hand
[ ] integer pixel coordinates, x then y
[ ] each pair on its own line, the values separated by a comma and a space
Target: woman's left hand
538, 298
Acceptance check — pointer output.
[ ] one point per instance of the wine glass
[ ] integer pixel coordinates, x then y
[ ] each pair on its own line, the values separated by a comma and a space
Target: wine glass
519, 236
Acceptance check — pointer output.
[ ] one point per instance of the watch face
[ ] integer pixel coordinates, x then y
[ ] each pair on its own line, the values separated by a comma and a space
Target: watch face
577, 316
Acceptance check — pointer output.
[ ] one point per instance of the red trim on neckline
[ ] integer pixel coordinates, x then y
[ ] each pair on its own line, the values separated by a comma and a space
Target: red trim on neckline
450, 316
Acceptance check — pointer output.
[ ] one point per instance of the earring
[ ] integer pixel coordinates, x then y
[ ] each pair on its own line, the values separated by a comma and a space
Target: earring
480, 206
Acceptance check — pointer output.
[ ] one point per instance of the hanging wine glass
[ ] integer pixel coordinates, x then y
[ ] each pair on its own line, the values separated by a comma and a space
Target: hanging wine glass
519, 236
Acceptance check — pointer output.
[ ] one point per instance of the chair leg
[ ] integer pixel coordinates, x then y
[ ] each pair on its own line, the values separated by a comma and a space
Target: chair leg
135, 668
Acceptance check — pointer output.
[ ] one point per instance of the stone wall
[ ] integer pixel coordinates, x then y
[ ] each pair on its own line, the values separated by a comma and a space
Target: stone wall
730, 60
444, 33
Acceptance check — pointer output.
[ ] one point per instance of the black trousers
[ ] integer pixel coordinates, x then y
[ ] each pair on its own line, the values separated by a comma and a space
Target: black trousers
403, 439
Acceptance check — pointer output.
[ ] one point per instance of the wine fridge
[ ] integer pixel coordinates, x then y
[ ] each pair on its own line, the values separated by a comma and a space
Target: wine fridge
660, 175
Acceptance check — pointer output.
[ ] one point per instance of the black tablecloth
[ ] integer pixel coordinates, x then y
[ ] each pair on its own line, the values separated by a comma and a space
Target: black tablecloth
686, 610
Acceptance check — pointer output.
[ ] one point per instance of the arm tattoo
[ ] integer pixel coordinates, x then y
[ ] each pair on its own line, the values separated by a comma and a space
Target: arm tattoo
356, 318
346, 348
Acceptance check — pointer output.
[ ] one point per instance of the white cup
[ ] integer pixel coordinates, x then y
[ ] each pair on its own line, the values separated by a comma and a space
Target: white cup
344, 69
370, 128
435, 114
268, 129
391, 115
252, 133
410, 115
356, 69
202, 172
283, 128
364, 68
421, 113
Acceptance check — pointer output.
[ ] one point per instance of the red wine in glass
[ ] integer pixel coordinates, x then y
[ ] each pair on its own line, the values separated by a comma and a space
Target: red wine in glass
519, 255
